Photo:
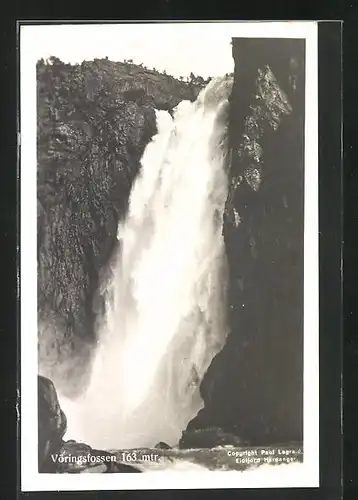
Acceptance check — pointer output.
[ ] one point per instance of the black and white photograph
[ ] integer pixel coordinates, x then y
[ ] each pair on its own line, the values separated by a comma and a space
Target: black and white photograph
169, 255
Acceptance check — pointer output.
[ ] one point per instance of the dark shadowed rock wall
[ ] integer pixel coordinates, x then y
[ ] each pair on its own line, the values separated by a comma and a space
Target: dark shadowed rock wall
254, 387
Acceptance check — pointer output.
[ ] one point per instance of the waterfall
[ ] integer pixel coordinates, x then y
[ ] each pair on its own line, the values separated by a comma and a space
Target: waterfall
166, 303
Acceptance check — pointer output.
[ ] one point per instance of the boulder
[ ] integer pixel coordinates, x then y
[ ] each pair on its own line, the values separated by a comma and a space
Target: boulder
52, 425
163, 446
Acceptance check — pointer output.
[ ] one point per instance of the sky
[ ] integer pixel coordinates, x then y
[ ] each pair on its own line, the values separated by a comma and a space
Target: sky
178, 48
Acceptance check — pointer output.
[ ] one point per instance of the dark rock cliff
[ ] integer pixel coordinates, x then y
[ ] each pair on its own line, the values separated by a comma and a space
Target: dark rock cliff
94, 121
253, 388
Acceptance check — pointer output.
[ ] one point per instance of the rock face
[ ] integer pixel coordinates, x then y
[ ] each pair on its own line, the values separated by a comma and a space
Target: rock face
253, 388
94, 121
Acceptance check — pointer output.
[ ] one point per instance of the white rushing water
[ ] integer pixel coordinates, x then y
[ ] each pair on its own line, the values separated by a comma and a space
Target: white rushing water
165, 318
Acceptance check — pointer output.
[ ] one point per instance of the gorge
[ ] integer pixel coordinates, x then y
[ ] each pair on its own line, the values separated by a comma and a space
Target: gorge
95, 121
